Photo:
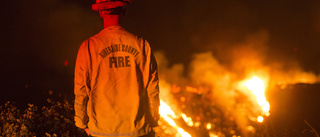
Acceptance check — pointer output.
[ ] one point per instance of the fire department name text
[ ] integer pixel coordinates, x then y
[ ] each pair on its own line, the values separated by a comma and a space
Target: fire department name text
118, 48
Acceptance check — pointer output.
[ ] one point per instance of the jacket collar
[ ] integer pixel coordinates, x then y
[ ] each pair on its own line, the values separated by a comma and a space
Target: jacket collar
113, 27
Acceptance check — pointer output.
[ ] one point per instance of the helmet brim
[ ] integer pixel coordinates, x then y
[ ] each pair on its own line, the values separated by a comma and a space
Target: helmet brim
108, 5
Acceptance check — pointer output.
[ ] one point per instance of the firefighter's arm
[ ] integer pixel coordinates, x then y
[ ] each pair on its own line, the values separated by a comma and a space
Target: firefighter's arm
153, 88
81, 80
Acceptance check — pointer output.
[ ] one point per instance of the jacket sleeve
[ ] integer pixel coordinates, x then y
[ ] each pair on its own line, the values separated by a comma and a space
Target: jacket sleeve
81, 85
153, 87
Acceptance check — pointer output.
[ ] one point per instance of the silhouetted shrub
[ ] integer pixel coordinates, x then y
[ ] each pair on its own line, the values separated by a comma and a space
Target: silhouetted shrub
55, 119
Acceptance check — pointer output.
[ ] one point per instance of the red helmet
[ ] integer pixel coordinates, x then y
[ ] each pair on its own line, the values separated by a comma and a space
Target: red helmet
101, 5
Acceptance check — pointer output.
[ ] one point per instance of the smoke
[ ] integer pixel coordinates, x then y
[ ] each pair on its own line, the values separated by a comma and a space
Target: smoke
173, 74
291, 73
168, 77
206, 71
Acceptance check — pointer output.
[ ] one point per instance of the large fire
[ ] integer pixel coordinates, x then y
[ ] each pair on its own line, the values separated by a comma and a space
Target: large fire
254, 87
222, 98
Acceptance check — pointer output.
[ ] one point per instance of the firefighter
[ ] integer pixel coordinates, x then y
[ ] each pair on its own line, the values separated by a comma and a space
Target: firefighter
116, 80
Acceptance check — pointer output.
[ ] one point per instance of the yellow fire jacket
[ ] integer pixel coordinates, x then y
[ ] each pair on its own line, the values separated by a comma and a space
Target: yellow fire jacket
116, 84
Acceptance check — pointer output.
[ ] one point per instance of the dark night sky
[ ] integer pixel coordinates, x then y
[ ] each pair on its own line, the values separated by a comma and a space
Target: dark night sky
38, 36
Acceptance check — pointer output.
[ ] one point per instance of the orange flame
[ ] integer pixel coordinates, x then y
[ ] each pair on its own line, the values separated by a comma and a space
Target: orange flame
257, 87
167, 113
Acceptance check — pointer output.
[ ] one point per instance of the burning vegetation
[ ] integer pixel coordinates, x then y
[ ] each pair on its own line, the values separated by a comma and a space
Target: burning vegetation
195, 112
213, 101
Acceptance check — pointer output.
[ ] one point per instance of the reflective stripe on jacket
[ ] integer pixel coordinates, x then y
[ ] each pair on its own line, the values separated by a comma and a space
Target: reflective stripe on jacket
116, 84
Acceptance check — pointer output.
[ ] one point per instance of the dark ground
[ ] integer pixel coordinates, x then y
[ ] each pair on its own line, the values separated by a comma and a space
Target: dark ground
292, 107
